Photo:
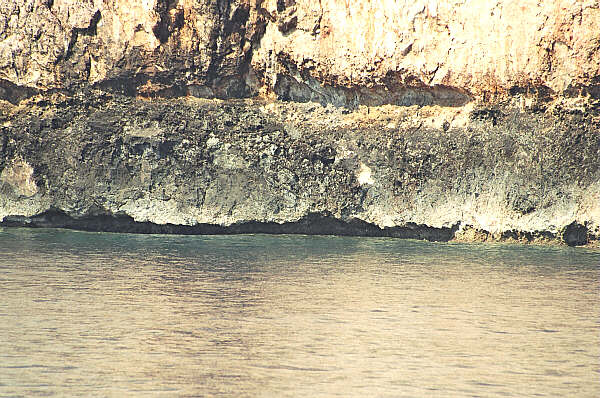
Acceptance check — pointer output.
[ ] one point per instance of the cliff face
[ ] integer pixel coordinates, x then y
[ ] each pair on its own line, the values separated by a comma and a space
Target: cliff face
384, 51
148, 47
437, 119
477, 48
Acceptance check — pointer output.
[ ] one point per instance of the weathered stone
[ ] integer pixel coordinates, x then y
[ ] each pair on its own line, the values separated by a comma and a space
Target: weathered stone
19, 176
479, 48
437, 119
156, 47
373, 52
197, 166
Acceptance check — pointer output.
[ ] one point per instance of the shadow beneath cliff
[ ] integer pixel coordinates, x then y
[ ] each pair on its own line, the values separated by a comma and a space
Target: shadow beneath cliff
312, 224
292, 90
296, 86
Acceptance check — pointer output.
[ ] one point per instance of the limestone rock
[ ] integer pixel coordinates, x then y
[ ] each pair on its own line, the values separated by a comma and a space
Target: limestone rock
333, 51
19, 176
149, 47
437, 119
480, 48
106, 162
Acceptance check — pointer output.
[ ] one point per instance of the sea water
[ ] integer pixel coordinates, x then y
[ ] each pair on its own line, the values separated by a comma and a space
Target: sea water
94, 314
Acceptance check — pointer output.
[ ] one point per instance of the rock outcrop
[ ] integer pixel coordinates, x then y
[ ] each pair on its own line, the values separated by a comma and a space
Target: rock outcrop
373, 52
158, 47
431, 119
210, 165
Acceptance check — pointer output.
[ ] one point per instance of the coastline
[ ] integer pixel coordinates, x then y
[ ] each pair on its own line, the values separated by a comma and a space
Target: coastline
475, 172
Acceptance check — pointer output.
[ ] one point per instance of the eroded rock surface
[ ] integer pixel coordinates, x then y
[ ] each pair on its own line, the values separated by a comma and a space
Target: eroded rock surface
149, 47
333, 51
480, 48
431, 119
442, 173
19, 176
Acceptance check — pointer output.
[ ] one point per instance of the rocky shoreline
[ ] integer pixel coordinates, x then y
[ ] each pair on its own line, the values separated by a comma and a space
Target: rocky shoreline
440, 120
106, 162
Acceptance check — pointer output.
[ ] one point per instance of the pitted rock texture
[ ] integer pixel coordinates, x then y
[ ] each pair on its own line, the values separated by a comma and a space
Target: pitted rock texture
483, 48
148, 47
19, 176
449, 119
333, 51
467, 173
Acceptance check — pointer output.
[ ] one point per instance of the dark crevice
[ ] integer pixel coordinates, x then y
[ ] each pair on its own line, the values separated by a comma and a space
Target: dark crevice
312, 224
592, 89
226, 79
280, 5
484, 114
167, 25
237, 21
305, 88
218, 53
90, 30
575, 234
128, 85
527, 236
541, 92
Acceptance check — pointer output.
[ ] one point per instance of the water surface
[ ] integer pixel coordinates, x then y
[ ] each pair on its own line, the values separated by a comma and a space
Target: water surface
92, 314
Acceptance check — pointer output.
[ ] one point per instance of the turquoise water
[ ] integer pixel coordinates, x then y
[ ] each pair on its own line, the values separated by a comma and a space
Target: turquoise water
91, 314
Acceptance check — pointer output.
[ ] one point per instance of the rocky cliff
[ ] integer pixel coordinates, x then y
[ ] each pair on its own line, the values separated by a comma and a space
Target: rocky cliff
429, 119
